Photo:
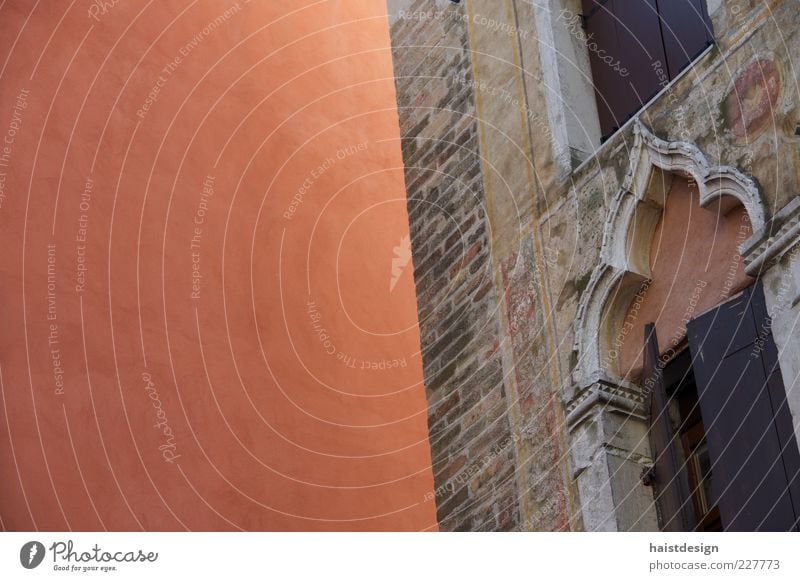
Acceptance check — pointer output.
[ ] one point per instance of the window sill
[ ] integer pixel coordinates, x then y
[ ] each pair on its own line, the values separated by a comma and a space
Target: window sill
611, 142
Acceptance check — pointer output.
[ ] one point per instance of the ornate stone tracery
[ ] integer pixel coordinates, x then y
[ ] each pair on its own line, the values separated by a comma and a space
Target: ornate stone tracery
605, 411
628, 233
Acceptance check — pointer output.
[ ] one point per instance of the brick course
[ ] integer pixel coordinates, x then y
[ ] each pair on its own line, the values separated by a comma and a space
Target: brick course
467, 415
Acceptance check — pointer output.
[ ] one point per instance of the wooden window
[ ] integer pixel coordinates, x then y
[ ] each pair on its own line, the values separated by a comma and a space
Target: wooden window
637, 47
728, 459
688, 423
667, 476
751, 440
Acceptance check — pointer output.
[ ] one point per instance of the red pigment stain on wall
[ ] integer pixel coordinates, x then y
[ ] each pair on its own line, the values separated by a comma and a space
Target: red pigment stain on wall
695, 265
750, 107
209, 319
536, 400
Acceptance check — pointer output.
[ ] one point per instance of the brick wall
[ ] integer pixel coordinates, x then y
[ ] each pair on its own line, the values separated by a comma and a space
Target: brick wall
470, 435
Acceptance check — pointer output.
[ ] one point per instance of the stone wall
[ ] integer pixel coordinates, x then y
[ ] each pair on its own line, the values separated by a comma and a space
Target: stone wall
710, 106
542, 214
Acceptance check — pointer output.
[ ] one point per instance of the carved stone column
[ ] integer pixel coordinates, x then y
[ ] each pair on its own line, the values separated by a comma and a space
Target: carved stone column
608, 451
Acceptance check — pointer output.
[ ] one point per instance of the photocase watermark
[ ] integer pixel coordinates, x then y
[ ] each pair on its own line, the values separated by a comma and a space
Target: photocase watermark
318, 172
168, 448
10, 137
476, 467
535, 269
169, 69
541, 515
629, 323
574, 24
677, 106
745, 230
675, 340
348, 360
206, 194
491, 24
537, 120
31, 554
99, 8
786, 287
680, 332
82, 235
550, 256
67, 558
739, 11
53, 339
400, 260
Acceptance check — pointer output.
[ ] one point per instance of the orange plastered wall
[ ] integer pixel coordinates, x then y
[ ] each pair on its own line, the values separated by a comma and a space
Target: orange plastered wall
207, 297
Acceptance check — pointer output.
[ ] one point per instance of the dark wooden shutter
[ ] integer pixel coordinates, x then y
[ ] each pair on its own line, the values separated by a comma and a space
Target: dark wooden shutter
756, 464
686, 29
629, 33
652, 40
668, 478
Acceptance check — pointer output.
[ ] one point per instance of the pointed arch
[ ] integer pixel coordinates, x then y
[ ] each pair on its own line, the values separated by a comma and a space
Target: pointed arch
628, 234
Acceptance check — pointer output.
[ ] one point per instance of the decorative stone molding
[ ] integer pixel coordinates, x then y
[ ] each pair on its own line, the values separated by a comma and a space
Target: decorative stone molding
777, 237
628, 232
617, 395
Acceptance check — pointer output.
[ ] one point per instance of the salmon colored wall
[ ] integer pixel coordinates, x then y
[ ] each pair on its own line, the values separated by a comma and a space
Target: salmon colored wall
695, 265
184, 178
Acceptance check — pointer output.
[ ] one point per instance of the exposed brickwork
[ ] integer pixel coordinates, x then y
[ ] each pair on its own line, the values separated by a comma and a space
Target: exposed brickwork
471, 442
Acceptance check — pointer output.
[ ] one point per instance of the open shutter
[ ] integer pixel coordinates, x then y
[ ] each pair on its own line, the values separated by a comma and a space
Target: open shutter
636, 47
687, 31
623, 35
671, 486
751, 441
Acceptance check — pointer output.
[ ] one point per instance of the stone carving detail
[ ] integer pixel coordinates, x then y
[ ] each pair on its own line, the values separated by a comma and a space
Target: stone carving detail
619, 395
633, 215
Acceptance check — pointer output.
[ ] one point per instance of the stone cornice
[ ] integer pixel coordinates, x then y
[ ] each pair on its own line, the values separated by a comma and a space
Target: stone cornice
772, 241
611, 395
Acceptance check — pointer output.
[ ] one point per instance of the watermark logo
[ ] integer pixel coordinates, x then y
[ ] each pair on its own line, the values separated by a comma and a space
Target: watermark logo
31, 554
100, 8
402, 256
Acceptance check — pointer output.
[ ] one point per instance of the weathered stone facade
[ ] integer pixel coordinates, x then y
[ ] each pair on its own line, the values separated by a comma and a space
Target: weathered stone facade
509, 216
